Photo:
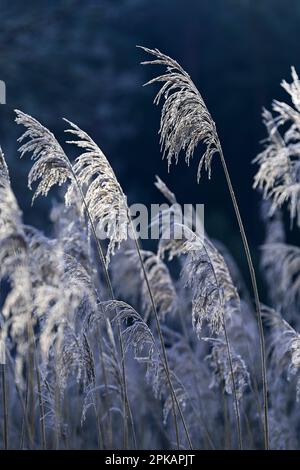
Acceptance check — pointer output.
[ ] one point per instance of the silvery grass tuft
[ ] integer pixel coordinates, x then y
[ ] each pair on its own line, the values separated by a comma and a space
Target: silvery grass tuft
93, 185
284, 347
278, 173
161, 284
185, 119
53, 167
146, 349
218, 361
186, 122
90, 178
104, 197
214, 296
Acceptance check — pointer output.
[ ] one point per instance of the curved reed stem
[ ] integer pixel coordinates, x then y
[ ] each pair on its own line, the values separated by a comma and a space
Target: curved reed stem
256, 296
165, 363
235, 400
24, 421
236, 403
41, 402
203, 423
126, 410
32, 343
106, 397
25, 424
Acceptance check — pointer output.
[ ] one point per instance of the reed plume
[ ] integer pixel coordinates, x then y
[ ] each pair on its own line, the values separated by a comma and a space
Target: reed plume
278, 172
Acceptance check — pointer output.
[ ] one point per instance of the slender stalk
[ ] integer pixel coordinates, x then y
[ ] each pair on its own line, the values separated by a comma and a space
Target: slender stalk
125, 396
100, 432
132, 429
249, 431
227, 430
166, 365
30, 396
5, 406
200, 414
255, 391
41, 405
57, 403
127, 410
25, 419
33, 352
236, 403
109, 285
256, 297
106, 398
236, 406
19, 394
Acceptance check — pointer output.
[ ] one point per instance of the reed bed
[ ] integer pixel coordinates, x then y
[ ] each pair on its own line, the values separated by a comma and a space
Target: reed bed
107, 345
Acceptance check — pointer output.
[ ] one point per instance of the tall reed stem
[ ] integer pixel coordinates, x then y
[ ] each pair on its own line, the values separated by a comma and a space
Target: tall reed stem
25, 424
167, 370
235, 400
127, 411
41, 403
30, 397
106, 393
191, 358
40, 398
256, 297
165, 363
34, 352
236, 403
25, 420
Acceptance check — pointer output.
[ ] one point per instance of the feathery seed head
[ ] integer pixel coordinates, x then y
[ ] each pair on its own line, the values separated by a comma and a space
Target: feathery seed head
160, 282
278, 175
219, 362
104, 197
185, 119
51, 165
284, 347
214, 295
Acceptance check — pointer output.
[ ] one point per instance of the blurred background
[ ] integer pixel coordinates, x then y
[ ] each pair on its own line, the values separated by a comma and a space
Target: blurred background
78, 60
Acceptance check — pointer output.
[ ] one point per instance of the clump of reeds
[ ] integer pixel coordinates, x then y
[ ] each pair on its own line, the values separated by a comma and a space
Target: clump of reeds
104, 344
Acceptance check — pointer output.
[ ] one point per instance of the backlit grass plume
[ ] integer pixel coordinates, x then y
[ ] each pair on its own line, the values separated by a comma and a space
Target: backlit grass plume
10, 213
185, 119
219, 362
91, 179
176, 362
287, 273
51, 166
279, 164
93, 185
139, 337
160, 281
214, 295
104, 197
284, 347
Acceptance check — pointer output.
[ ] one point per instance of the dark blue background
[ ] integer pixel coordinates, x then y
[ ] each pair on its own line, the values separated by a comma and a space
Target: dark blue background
77, 59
